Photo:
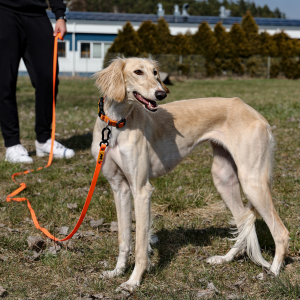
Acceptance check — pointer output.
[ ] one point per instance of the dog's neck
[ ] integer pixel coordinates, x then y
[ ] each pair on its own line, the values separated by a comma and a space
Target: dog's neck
117, 110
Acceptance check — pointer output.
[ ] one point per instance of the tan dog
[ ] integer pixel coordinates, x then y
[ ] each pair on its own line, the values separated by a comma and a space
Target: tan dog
155, 139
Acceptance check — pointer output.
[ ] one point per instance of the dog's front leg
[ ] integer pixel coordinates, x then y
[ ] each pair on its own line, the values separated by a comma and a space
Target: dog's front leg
122, 196
142, 206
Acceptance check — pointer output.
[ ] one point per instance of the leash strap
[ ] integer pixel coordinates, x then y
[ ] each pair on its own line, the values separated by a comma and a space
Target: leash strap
22, 187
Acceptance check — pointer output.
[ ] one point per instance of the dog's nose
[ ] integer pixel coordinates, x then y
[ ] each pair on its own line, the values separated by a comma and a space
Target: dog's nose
160, 95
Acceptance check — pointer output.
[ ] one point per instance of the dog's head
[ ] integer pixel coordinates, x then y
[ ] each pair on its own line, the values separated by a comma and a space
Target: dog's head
136, 79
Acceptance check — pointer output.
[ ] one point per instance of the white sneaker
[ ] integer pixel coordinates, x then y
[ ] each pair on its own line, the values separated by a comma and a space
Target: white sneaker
17, 154
59, 151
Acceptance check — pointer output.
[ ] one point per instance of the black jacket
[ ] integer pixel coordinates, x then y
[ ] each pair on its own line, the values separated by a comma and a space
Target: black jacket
34, 7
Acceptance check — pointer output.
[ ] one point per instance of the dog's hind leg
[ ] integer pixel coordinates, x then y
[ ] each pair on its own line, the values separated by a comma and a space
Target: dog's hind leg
255, 171
122, 196
226, 181
257, 190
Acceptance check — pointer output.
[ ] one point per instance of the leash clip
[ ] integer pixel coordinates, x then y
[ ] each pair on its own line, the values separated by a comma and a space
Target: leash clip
105, 140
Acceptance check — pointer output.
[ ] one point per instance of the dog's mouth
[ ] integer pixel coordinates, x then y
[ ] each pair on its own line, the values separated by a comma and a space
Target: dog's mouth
149, 104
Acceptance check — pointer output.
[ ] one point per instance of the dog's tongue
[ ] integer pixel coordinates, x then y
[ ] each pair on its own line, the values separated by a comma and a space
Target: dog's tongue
142, 99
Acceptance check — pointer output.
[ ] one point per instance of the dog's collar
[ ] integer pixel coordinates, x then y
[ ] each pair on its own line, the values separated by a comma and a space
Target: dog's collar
107, 120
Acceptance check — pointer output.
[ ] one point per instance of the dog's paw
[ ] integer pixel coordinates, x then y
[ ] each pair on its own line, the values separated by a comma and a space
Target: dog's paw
216, 260
128, 286
275, 270
111, 274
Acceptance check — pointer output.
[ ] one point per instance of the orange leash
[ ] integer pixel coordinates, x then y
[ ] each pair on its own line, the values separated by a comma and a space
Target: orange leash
23, 185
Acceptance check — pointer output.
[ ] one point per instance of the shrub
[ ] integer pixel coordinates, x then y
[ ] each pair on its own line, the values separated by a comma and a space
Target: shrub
290, 68
274, 70
237, 67
184, 68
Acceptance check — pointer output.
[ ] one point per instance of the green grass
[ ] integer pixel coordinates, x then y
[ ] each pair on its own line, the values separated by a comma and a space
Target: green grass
189, 218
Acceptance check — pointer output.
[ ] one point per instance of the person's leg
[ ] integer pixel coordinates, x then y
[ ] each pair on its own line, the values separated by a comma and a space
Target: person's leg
39, 62
11, 37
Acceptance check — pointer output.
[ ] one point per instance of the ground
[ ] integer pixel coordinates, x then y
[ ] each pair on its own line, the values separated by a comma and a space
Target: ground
189, 218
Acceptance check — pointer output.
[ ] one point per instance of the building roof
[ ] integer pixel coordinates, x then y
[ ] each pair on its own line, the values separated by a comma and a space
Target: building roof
122, 17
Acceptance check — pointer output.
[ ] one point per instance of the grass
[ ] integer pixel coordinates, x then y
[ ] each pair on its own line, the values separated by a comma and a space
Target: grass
189, 218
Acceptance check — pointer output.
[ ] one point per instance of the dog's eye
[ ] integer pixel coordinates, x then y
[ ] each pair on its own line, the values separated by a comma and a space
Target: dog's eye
155, 73
138, 72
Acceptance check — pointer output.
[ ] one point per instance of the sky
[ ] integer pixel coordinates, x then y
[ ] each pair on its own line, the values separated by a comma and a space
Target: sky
290, 7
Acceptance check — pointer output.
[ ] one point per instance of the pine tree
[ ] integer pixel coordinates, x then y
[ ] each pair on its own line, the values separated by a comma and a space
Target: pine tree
285, 45
148, 35
205, 42
182, 44
127, 42
251, 32
164, 37
225, 45
239, 40
267, 45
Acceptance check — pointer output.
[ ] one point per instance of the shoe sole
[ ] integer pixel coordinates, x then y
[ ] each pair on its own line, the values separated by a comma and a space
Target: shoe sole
43, 154
18, 162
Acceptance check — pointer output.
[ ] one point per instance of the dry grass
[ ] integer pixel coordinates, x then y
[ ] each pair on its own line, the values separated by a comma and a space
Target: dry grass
189, 217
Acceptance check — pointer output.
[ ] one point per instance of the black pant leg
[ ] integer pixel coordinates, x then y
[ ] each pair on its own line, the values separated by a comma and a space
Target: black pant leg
39, 62
11, 49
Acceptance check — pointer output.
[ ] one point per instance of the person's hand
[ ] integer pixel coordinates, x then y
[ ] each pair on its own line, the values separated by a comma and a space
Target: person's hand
61, 27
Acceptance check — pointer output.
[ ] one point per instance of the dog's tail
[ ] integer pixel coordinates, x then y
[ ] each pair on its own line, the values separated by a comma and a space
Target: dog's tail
246, 236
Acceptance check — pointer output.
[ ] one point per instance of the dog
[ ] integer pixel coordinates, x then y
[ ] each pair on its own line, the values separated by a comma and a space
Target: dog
156, 139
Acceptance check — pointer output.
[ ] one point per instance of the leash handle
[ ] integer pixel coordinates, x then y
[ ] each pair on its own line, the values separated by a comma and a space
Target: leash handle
22, 187
58, 36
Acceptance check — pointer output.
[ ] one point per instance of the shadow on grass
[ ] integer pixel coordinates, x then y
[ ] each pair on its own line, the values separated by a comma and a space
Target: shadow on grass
78, 142
171, 241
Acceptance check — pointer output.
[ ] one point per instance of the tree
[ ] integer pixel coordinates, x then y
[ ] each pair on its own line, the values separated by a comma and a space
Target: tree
251, 33
148, 36
285, 45
182, 44
205, 42
127, 42
225, 45
164, 37
241, 45
267, 45
203, 8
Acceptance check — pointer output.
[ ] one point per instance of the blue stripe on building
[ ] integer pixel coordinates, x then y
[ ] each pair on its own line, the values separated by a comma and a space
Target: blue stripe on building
88, 37
68, 37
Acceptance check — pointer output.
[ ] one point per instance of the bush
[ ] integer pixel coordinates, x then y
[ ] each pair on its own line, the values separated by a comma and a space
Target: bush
290, 68
184, 68
274, 70
256, 66
237, 67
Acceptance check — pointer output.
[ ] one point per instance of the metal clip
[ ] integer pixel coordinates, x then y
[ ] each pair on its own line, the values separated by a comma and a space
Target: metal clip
105, 140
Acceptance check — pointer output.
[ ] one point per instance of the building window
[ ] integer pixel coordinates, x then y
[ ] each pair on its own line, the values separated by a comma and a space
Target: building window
97, 50
61, 49
93, 49
85, 50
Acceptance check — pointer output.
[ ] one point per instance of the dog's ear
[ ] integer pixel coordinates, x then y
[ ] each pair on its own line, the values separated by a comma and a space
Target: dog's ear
111, 80
163, 85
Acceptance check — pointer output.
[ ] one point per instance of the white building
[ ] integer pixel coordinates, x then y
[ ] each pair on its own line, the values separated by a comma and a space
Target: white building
91, 34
